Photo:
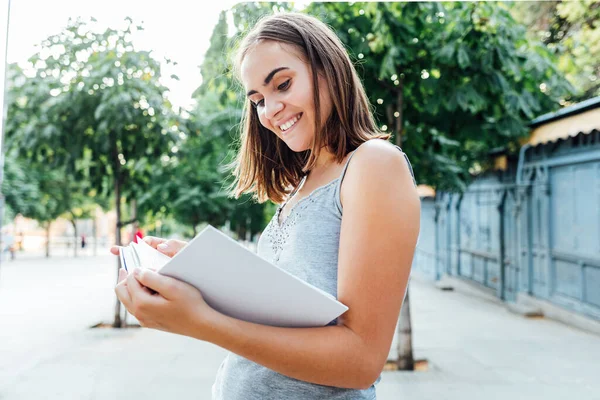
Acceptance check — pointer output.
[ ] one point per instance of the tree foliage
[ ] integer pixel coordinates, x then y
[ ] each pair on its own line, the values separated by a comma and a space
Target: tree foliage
451, 81
571, 31
31, 188
95, 106
199, 186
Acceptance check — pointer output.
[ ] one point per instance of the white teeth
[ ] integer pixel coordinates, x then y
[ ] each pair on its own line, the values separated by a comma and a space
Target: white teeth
289, 124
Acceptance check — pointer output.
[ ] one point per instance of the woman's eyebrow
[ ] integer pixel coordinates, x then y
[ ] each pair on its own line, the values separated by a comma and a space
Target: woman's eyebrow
268, 79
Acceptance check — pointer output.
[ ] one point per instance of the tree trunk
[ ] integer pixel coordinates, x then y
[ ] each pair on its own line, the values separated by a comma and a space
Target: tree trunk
406, 361
118, 321
248, 229
95, 233
135, 224
74, 223
48, 239
195, 222
2, 198
399, 121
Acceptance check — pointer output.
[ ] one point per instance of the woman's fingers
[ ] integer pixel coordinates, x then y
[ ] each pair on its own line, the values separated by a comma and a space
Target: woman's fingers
122, 275
155, 282
151, 240
123, 293
136, 286
154, 241
171, 247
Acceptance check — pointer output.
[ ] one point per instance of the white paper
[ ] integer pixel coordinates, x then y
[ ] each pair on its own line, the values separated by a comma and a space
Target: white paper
151, 257
237, 282
128, 258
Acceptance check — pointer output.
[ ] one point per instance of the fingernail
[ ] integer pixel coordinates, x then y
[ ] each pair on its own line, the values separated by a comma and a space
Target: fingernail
137, 272
162, 246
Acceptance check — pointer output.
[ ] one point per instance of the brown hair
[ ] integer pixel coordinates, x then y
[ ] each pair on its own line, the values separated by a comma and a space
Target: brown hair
265, 165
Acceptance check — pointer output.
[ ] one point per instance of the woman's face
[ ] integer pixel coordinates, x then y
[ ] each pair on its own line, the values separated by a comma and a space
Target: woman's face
278, 83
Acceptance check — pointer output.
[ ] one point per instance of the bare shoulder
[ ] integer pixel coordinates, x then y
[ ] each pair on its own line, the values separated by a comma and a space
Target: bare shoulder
377, 167
379, 152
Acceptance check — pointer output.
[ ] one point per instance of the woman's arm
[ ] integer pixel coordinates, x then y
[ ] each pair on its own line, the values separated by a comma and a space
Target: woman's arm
332, 355
378, 237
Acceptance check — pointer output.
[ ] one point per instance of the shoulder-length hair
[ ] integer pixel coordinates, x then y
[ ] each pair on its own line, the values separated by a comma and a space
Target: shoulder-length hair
265, 165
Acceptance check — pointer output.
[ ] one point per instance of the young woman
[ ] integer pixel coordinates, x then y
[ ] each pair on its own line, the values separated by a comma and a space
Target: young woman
347, 223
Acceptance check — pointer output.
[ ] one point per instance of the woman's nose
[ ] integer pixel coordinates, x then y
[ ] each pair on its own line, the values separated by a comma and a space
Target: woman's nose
272, 108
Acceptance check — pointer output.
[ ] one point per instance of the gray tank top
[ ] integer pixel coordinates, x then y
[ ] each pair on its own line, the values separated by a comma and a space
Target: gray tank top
313, 223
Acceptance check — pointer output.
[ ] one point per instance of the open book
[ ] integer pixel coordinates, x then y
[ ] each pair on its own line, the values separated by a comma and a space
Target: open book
237, 282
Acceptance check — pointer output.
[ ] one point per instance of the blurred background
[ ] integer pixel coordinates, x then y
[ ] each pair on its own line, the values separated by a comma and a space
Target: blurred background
120, 117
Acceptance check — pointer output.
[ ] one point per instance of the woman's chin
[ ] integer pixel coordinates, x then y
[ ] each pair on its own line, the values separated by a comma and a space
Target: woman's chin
296, 145
298, 149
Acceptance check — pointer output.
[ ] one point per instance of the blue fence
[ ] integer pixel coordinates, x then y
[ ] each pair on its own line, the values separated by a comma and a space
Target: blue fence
532, 229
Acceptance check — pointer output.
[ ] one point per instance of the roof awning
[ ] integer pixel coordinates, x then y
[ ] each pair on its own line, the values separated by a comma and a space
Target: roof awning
568, 126
425, 191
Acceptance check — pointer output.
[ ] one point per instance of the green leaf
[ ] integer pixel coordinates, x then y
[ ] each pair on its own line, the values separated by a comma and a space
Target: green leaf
463, 57
98, 114
446, 54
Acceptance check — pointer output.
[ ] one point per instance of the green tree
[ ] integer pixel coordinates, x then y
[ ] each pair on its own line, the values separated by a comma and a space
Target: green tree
199, 184
450, 81
20, 191
570, 30
95, 106
30, 188
189, 186
36, 192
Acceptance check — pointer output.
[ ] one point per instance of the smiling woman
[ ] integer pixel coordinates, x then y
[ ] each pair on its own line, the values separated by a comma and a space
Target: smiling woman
347, 223
294, 68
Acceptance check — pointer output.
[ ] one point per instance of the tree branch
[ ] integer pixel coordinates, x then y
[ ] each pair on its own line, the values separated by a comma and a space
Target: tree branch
121, 224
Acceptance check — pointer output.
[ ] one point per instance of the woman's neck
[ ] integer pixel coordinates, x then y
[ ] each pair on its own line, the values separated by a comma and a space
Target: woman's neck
324, 160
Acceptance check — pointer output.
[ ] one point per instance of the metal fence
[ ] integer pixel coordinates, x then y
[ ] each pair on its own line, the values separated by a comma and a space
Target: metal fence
533, 229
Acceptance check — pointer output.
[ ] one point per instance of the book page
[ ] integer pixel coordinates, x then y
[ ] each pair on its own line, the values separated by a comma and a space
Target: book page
128, 259
149, 256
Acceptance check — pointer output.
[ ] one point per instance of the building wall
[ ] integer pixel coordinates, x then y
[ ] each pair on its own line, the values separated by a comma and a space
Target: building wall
32, 236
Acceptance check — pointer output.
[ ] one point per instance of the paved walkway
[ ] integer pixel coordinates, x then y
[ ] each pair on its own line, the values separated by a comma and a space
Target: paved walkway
475, 348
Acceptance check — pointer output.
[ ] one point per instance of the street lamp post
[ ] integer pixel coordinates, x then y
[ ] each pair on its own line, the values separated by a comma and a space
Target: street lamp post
4, 18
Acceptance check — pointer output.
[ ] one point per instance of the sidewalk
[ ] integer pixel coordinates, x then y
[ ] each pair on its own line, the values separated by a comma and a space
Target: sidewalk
475, 348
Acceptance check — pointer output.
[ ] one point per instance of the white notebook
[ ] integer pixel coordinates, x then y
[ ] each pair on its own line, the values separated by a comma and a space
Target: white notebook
237, 282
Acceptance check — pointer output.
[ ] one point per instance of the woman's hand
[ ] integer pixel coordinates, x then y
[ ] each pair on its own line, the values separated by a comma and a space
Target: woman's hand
174, 306
170, 247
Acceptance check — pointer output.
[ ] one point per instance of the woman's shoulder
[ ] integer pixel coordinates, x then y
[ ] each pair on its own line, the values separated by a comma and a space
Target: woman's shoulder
378, 170
379, 161
375, 154
377, 167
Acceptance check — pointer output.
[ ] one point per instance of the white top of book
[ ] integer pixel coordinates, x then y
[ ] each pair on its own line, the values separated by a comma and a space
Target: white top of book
239, 283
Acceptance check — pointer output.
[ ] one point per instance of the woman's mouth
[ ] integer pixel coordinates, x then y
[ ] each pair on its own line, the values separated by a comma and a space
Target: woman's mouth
285, 127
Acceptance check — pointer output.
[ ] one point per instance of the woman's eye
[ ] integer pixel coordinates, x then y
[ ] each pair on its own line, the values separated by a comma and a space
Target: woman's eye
284, 85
